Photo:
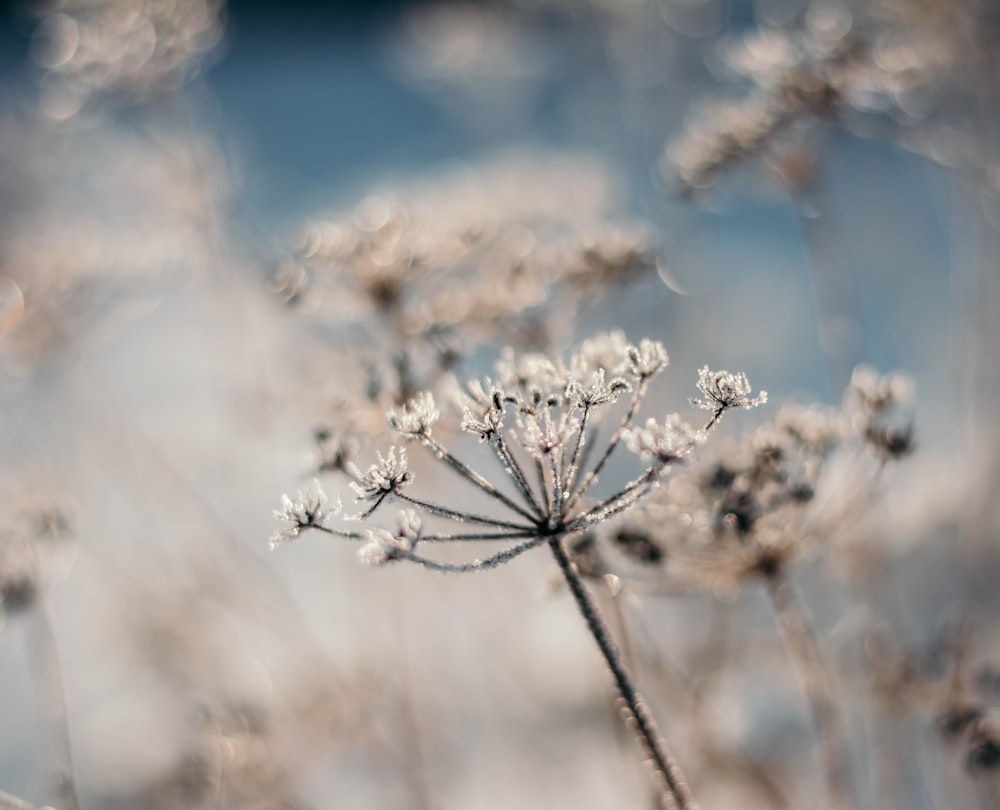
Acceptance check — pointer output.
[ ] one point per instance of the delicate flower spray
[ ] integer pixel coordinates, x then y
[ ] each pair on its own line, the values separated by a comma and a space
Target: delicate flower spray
541, 418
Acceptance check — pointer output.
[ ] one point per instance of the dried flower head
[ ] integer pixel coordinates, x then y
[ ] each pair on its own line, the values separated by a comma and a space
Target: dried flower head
647, 359
879, 408
389, 475
722, 391
383, 546
600, 391
308, 511
668, 443
416, 418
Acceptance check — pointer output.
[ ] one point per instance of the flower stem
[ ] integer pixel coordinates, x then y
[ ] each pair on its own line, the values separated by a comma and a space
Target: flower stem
817, 681
674, 790
52, 699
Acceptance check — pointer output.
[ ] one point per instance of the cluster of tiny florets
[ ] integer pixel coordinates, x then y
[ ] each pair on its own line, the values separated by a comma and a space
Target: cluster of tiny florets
879, 411
541, 416
416, 418
383, 546
763, 501
668, 443
723, 391
390, 474
308, 510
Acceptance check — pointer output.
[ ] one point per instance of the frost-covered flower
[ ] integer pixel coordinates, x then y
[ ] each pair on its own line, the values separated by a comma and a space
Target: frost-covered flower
334, 452
667, 443
390, 474
416, 418
308, 510
544, 435
724, 390
600, 391
382, 546
534, 370
487, 425
647, 359
875, 393
608, 351
879, 407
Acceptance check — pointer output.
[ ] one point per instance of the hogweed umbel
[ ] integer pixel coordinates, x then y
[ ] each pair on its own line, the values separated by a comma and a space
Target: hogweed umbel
541, 418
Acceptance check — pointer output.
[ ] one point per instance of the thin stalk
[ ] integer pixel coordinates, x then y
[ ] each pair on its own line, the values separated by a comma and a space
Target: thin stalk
640, 390
620, 500
674, 792
52, 699
510, 463
9, 802
715, 418
817, 681
475, 478
474, 537
461, 517
484, 564
434, 538
540, 474
574, 463
555, 508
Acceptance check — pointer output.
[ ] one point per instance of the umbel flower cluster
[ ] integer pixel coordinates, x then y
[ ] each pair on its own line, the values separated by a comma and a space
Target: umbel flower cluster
758, 503
541, 419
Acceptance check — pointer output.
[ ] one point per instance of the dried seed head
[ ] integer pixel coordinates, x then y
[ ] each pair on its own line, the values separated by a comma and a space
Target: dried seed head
486, 426
416, 418
544, 435
390, 474
608, 351
647, 359
599, 392
667, 443
383, 546
723, 391
308, 510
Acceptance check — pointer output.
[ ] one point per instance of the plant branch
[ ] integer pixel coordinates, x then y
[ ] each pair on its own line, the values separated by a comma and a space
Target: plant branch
484, 564
473, 477
674, 790
461, 517
817, 682
581, 490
